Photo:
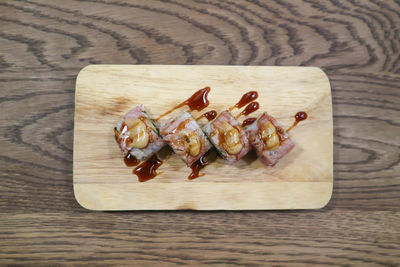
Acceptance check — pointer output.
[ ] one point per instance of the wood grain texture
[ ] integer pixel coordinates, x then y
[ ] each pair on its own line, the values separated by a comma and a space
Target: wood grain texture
44, 44
104, 93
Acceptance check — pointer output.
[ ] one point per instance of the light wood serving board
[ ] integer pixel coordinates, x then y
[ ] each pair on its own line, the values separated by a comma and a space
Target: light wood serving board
301, 180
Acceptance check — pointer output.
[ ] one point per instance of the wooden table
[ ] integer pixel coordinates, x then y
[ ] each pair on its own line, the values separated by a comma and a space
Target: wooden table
44, 44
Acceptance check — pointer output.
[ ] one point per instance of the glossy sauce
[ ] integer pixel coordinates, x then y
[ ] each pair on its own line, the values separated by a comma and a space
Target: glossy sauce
250, 108
246, 98
198, 101
248, 121
148, 169
197, 166
130, 160
300, 116
126, 139
180, 127
221, 137
124, 128
208, 115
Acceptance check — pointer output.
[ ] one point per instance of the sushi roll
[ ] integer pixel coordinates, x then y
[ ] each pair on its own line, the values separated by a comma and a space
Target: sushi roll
185, 137
228, 137
137, 134
269, 139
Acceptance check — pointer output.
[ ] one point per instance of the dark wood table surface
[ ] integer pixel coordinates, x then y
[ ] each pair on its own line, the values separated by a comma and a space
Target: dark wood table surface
44, 44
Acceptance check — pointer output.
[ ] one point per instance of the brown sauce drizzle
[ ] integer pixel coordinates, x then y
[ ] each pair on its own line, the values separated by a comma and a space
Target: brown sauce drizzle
198, 101
246, 98
124, 128
130, 160
208, 115
300, 116
250, 108
128, 141
148, 169
180, 127
197, 166
221, 136
248, 121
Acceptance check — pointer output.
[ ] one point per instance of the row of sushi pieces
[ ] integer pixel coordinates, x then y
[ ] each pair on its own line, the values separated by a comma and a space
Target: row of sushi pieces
140, 136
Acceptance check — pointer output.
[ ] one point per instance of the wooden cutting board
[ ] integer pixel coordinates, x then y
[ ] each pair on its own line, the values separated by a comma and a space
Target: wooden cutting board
301, 180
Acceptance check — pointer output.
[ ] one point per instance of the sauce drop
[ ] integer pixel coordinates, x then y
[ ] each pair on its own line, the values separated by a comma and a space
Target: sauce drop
246, 98
130, 160
197, 166
198, 101
300, 116
248, 121
250, 108
148, 169
208, 115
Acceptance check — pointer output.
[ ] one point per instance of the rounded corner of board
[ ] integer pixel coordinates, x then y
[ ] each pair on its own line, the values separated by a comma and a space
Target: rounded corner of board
83, 70
325, 201
323, 74
83, 199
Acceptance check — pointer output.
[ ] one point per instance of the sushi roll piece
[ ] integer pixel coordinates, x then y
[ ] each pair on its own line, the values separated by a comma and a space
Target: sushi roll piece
270, 141
137, 134
228, 137
185, 137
